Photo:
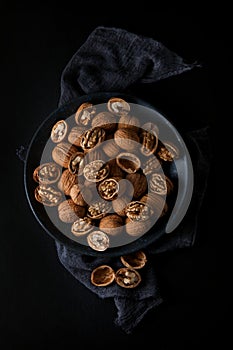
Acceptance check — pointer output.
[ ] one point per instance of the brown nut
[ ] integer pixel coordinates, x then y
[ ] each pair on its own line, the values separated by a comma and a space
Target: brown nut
105, 120
168, 152
110, 148
149, 138
91, 138
127, 139
82, 226
62, 152
139, 182
127, 277
47, 173
137, 228
59, 131
108, 189
80, 197
96, 171
75, 164
136, 260
151, 165
156, 202
102, 276
85, 113
111, 224
98, 209
118, 106
69, 212
48, 195
66, 181
160, 184
119, 205
138, 211
98, 240
75, 135
129, 122
128, 162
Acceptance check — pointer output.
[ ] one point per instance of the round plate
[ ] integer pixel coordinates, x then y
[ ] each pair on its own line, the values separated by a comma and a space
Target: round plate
180, 171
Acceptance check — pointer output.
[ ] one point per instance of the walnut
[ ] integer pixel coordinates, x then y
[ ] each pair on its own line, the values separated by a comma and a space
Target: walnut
151, 164
114, 169
127, 139
128, 162
139, 182
75, 135
160, 184
75, 164
69, 212
62, 152
105, 120
167, 152
129, 122
119, 205
48, 195
111, 224
96, 171
80, 197
98, 209
98, 240
110, 148
118, 106
47, 173
136, 260
102, 276
82, 226
156, 202
67, 180
85, 113
138, 211
108, 189
59, 131
127, 277
149, 138
92, 138
137, 228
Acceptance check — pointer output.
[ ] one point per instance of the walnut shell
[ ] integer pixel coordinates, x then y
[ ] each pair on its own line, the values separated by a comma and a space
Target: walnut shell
102, 276
128, 162
80, 197
85, 113
91, 138
105, 120
151, 165
160, 184
129, 122
139, 182
96, 171
156, 202
168, 152
47, 173
59, 131
98, 209
69, 212
110, 148
108, 189
67, 180
136, 260
62, 152
119, 205
127, 277
127, 139
82, 226
111, 224
137, 228
48, 195
118, 106
76, 163
138, 211
75, 135
149, 138
98, 240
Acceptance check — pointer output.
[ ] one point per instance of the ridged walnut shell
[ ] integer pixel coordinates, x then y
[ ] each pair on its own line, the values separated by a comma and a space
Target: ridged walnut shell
69, 212
82, 226
98, 240
160, 184
136, 260
156, 202
62, 152
105, 120
111, 224
75, 135
168, 152
129, 122
139, 182
66, 181
128, 162
85, 113
127, 277
127, 139
47, 173
59, 131
118, 106
102, 276
48, 195
137, 228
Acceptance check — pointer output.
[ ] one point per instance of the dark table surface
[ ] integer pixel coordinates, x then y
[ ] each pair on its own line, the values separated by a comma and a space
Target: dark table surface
41, 304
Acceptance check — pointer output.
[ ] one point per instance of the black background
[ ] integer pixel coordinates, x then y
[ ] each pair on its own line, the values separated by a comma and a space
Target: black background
41, 303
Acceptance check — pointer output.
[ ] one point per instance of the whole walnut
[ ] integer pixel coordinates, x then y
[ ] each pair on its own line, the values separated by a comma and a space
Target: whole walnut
139, 182
69, 212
